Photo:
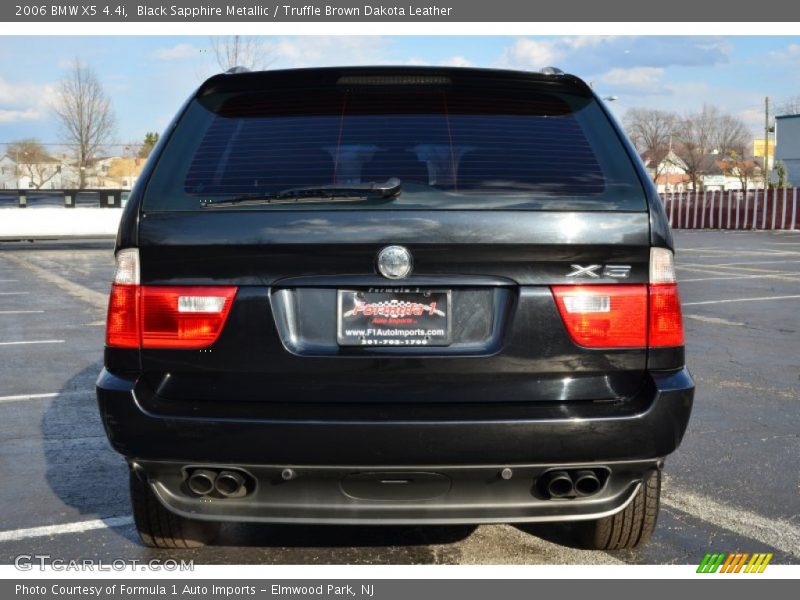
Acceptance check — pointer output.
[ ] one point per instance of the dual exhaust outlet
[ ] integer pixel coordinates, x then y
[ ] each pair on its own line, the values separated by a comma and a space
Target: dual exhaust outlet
569, 483
227, 483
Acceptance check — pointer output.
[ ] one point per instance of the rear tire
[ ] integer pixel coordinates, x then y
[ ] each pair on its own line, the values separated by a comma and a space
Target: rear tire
628, 528
160, 528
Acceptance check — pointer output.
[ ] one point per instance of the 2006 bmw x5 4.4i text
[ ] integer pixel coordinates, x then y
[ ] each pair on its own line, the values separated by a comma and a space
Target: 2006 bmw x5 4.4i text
394, 296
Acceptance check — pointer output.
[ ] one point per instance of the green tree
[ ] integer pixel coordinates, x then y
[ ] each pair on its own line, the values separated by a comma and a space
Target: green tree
780, 171
150, 140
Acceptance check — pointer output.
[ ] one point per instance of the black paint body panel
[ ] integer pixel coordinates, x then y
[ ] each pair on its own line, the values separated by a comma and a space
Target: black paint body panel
276, 389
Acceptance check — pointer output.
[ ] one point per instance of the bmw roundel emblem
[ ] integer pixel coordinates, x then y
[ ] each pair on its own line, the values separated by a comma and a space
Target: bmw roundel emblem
394, 262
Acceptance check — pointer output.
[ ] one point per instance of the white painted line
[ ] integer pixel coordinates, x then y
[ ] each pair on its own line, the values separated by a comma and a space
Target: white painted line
19, 312
777, 533
742, 255
725, 278
739, 300
731, 252
755, 262
713, 320
79, 527
73, 289
26, 397
14, 293
32, 342
778, 275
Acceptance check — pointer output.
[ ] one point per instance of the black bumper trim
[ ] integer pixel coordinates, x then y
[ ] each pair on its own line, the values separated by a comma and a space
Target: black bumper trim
648, 433
319, 494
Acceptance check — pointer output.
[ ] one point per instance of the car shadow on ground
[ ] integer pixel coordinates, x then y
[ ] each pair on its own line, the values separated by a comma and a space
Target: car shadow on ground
85, 474
563, 534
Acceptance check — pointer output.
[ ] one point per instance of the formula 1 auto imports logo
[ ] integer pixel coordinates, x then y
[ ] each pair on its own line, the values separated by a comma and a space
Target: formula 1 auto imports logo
738, 562
393, 308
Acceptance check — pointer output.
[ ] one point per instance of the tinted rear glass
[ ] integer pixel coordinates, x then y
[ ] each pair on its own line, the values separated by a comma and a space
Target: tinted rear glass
451, 147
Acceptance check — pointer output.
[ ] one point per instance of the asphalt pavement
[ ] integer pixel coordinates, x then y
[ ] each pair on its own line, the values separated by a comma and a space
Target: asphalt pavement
734, 484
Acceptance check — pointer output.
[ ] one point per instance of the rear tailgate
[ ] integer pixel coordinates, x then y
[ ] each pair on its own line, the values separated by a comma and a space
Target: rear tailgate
493, 214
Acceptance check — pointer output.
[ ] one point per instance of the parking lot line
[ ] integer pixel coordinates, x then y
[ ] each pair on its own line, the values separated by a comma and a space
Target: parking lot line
725, 278
740, 300
767, 273
76, 527
714, 252
755, 262
777, 533
19, 312
14, 293
74, 289
24, 397
31, 342
713, 320
27, 397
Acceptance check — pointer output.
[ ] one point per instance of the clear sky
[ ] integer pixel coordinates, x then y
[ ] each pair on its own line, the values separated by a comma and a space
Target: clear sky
148, 77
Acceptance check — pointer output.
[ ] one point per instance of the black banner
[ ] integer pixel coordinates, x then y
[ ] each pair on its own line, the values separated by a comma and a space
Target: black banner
387, 589
452, 11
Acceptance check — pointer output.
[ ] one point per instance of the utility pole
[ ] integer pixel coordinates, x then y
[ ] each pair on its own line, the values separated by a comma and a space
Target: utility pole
766, 142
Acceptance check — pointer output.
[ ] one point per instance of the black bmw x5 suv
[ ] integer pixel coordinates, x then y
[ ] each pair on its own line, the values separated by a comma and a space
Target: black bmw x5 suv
394, 296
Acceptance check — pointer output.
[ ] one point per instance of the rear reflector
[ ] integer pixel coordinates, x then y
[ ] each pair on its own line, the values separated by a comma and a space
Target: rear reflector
604, 316
666, 322
122, 326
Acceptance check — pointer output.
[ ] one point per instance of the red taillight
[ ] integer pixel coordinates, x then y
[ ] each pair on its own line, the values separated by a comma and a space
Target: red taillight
122, 326
621, 316
604, 316
167, 317
183, 317
666, 322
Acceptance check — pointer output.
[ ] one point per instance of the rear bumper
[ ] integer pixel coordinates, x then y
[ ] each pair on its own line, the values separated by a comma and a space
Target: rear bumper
649, 426
355, 495
465, 456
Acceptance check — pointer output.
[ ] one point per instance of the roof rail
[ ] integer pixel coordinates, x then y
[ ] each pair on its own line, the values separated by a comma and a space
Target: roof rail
551, 71
237, 69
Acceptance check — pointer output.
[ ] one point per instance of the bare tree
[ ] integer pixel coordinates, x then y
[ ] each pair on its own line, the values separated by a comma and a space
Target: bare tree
240, 51
33, 160
702, 135
790, 106
731, 134
85, 114
745, 169
651, 133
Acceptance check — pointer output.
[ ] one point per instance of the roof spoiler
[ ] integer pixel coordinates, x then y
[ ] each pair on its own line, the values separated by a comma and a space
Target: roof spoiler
237, 79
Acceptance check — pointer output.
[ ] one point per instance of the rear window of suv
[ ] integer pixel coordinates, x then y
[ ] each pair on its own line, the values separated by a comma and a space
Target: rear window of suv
451, 147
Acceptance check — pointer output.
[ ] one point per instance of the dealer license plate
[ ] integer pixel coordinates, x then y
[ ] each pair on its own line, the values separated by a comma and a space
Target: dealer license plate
393, 317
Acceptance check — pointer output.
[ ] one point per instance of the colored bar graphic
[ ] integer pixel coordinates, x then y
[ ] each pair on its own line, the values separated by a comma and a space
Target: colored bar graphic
752, 561
728, 564
741, 562
703, 563
720, 558
734, 562
765, 563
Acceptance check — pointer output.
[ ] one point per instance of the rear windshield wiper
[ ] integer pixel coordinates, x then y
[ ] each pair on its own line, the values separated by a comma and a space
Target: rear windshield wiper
387, 190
